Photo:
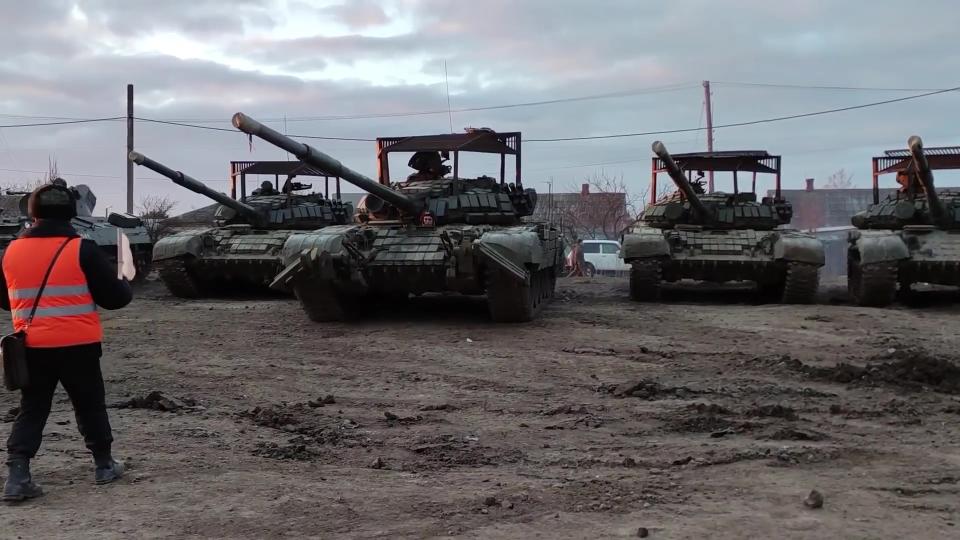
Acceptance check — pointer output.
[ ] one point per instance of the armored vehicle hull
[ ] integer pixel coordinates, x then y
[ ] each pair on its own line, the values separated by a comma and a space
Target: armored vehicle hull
719, 237
881, 261
334, 270
783, 263
212, 261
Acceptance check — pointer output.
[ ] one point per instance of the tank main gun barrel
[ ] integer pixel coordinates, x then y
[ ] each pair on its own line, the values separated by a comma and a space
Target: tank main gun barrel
925, 175
308, 154
195, 186
680, 180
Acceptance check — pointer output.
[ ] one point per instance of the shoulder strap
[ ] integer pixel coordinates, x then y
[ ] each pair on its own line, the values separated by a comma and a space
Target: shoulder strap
43, 285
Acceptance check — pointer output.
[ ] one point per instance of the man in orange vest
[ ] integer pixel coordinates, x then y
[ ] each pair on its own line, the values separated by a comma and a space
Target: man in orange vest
63, 338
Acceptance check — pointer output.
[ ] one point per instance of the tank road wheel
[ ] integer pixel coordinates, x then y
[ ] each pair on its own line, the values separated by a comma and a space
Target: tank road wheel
871, 284
509, 301
322, 303
179, 280
645, 280
800, 283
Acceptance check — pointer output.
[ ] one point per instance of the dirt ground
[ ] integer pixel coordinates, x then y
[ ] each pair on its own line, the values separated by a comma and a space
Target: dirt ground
692, 418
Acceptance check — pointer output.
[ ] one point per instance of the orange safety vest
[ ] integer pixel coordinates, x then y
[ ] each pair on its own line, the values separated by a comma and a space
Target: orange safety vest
66, 314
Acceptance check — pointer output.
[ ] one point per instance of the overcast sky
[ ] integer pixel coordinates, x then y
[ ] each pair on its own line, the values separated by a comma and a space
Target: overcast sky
202, 60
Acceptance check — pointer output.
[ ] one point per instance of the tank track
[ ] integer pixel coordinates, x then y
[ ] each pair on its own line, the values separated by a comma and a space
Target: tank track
872, 284
178, 279
509, 301
322, 303
646, 277
800, 284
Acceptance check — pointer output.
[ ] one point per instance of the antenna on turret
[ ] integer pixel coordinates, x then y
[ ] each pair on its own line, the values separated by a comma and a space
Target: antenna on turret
447, 81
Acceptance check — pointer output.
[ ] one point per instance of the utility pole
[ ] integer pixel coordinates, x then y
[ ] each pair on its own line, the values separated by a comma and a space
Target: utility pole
708, 106
129, 149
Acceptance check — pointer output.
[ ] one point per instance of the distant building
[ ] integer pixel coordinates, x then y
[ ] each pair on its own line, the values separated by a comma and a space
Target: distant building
588, 215
817, 208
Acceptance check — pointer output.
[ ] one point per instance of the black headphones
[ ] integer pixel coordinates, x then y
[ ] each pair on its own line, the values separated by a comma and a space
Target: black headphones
53, 201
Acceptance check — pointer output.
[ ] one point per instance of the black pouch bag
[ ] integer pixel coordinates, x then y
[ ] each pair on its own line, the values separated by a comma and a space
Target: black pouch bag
13, 347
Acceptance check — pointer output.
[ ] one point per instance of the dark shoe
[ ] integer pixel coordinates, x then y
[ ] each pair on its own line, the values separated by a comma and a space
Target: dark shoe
20, 486
108, 472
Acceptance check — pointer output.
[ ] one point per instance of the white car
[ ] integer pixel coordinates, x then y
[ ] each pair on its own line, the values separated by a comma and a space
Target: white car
602, 257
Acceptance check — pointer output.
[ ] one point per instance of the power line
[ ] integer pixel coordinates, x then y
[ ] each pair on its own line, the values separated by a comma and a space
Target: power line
826, 87
63, 173
64, 122
750, 122
556, 139
33, 117
101, 176
592, 97
228, 130
624, 135
183, 124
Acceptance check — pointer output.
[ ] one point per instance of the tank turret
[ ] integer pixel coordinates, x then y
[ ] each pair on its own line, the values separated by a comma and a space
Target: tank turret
314, 157
690, 206
905, 207
269, 209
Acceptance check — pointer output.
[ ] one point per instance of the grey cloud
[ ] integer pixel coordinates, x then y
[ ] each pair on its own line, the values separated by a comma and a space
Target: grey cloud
359, 14
198, 18
497, 52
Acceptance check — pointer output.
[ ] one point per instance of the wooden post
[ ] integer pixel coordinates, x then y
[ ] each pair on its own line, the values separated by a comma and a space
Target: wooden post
129, 148
708, 107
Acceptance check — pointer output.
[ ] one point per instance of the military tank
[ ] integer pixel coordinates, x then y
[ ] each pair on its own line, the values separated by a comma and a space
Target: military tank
720, 237
912, 235
101, 230
242, 252
430, 233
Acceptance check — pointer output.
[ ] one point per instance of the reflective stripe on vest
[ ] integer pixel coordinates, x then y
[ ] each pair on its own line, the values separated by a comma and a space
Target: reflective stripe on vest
66, 313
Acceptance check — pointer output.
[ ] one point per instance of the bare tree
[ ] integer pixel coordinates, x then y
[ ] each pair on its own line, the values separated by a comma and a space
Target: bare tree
155, 213
28, 186
53, 172
839, 180
604, 211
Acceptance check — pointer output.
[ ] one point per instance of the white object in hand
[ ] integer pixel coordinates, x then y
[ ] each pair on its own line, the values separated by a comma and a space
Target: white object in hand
125, 267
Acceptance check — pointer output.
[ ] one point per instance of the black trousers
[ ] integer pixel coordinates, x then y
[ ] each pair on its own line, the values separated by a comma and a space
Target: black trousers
78, 370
